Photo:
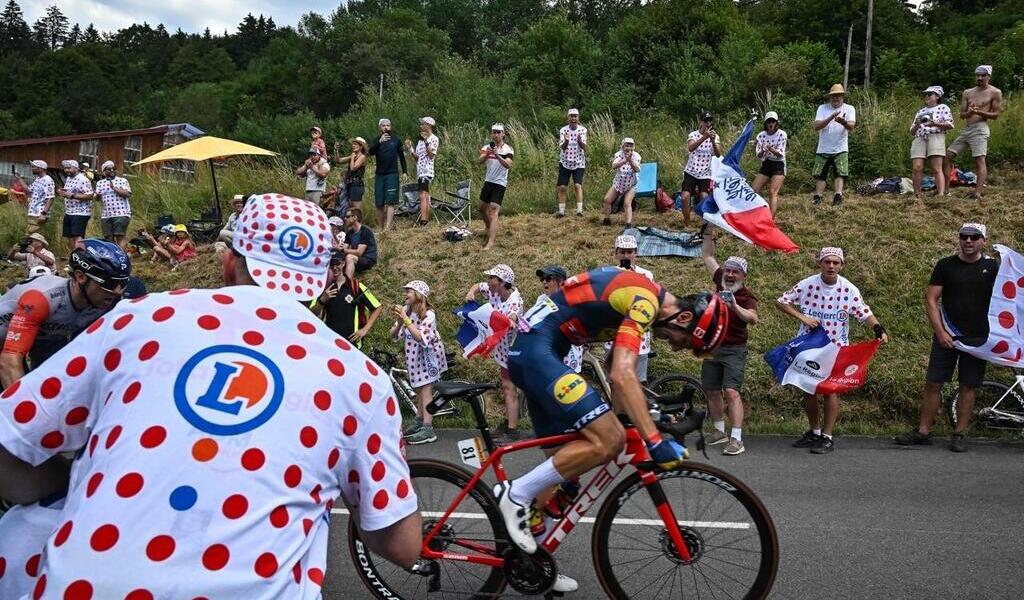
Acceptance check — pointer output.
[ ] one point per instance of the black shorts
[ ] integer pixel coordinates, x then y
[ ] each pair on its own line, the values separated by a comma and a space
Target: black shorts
423, 184
771, 168
364, 264
74, 225
115, 226
354, 191
942, 362
692, 185
492, 193
564, 173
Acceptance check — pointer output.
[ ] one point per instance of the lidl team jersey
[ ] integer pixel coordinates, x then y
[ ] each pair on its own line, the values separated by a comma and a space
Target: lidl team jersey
215, 429
38, 314
606, 303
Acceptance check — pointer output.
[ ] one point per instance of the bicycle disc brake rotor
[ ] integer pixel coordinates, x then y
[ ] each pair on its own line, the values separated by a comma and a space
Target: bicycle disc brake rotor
694, 542
530, 574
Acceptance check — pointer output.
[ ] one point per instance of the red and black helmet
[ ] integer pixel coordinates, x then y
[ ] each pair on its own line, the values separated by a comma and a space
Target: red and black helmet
711, 318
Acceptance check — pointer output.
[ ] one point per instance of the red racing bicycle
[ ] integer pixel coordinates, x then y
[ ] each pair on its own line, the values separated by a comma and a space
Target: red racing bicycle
691, 532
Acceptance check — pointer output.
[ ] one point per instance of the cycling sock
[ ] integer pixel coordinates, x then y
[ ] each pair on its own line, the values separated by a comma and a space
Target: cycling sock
828, 435
737, 433
720, 426
579, 207
816, 431
527, 487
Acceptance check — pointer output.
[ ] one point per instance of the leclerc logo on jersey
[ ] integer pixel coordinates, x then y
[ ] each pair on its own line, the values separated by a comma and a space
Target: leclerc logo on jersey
296, 243
228, 390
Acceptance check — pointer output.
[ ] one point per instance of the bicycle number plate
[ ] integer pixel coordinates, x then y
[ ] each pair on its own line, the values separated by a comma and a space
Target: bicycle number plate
471, 451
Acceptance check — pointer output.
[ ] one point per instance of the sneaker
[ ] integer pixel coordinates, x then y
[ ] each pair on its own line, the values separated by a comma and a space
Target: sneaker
734, 447
424, 436
958, 442
837, 200
559, 215
824, 445
816, 199
607, 221
579, 213
564, 584
913, 438
413, 428
808, 439
516, 518
716, 437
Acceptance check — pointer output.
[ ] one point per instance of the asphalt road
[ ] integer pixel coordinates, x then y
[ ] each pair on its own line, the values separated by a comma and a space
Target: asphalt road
871, 520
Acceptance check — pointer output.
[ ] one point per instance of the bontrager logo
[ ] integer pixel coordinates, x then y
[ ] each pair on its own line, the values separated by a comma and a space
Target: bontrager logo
368, 572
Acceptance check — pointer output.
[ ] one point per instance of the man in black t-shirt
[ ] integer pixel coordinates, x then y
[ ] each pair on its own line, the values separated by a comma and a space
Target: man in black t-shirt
361, 253
964, 283
349, 308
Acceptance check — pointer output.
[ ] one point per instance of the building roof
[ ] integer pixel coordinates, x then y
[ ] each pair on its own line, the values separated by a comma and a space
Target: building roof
185, 129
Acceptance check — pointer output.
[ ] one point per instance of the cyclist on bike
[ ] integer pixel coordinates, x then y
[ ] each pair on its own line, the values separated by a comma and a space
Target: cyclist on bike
215, 429
41, 315
607, 303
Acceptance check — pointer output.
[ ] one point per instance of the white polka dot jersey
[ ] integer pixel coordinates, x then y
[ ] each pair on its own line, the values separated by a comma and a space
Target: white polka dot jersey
832, 305
215, 430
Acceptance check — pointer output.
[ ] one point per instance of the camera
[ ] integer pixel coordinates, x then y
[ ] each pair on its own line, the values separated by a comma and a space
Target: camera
727, 296
23, 245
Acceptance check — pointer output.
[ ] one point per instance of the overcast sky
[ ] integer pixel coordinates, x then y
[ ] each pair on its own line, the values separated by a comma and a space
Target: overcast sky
189, 15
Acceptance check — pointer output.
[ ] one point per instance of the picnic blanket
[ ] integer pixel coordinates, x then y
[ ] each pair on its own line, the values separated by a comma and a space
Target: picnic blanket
652, 241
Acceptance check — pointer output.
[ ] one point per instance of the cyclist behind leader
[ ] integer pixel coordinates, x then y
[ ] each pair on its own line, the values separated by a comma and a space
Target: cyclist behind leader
212, 441
607, 303
40, 316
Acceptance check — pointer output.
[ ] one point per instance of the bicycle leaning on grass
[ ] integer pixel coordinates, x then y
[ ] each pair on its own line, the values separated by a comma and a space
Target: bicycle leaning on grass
694, 531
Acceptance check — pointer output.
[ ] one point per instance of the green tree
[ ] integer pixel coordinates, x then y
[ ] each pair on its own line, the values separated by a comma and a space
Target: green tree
15, 34
558, 59
51, 30
200, 61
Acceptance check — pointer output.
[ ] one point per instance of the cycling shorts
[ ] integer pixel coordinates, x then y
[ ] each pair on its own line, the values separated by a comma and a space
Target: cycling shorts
558, 399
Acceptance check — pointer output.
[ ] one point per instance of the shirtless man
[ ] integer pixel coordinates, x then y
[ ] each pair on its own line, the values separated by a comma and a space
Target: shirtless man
980, 104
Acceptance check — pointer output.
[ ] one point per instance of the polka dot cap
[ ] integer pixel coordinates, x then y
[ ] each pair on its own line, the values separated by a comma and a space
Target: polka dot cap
286, 243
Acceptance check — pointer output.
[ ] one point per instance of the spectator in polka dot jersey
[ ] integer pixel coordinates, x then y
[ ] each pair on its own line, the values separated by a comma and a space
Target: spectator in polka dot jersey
416, 325
197, 474
827, 300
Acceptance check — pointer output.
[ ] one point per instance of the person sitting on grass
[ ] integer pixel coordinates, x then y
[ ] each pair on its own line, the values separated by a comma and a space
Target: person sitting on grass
626, 164
416, 325
228, 233
33, 252
177, 249
361, 249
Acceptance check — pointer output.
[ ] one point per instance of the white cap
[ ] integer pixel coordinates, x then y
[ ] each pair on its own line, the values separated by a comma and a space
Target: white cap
107, 164
39, 164
831, 251
628, 140
935, 89
286, 244
336, 221
625, 242
574, 111
69, 164
428, 120
771, 115
983, 70
736, 262
418, 286
974, 228
502, 272
498, 127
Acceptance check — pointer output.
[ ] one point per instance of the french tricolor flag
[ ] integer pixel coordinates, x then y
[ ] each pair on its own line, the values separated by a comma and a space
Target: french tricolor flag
736, 208
481, 330
816, 365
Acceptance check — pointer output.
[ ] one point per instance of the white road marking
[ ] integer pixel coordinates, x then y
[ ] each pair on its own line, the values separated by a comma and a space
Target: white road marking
590, 520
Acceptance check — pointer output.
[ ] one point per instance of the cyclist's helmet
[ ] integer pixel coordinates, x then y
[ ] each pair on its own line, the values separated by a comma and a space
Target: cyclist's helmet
711, 318
103, 262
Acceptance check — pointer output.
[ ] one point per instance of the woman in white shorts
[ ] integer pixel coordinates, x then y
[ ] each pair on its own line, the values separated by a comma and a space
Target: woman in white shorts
626, 164
929, 131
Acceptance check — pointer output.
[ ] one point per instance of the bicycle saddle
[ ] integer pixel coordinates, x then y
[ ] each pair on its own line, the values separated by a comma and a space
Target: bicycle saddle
459, 389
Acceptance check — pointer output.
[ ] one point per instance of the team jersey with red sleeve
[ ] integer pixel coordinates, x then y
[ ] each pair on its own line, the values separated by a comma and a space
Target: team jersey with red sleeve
215, 430
40, 310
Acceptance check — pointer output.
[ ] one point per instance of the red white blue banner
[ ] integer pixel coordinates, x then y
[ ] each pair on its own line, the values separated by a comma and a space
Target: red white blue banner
816, 365
481, 330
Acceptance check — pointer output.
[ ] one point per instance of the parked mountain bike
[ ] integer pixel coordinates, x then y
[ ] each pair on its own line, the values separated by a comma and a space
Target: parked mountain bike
690, 532
996, 405
403, 389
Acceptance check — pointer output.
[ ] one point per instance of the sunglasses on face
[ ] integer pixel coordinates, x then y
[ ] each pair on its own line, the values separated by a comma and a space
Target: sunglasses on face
548, 278
973, 237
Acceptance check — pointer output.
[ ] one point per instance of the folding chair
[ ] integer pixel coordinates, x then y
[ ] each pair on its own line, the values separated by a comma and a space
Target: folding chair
410, 205
457, 211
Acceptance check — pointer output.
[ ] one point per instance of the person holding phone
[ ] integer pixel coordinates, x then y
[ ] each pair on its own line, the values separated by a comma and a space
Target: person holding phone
703, 145
721, 375
497, 156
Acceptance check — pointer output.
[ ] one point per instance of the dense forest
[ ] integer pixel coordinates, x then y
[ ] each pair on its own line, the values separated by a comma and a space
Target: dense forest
467, 61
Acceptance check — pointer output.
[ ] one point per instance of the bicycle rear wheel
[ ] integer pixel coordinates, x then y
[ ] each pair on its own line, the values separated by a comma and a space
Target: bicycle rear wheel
677, 391
986, 396
475, 522
732, 540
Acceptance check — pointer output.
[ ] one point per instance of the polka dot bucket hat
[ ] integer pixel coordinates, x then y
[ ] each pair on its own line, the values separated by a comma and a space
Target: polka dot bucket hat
418, 286
286, 244
502, 272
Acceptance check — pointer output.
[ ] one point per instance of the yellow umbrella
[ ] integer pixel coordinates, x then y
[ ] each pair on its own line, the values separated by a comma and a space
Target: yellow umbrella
206, 148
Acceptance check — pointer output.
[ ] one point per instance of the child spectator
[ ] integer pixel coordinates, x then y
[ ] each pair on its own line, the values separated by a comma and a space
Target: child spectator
348, 307
416, 325
316, 141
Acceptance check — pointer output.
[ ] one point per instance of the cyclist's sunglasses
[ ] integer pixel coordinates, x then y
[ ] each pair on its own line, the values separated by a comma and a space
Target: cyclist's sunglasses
113, 284
970, 236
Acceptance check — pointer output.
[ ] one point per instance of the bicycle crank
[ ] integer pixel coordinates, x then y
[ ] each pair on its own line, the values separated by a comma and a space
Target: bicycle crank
530, 574
694, 543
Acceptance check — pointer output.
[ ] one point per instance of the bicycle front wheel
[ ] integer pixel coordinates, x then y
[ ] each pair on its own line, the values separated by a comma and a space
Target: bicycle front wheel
475, 526
677, 391
985, 397
734, 549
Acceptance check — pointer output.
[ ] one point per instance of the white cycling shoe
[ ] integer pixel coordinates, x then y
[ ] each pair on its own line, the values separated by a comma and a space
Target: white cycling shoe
516, 518
565, 584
